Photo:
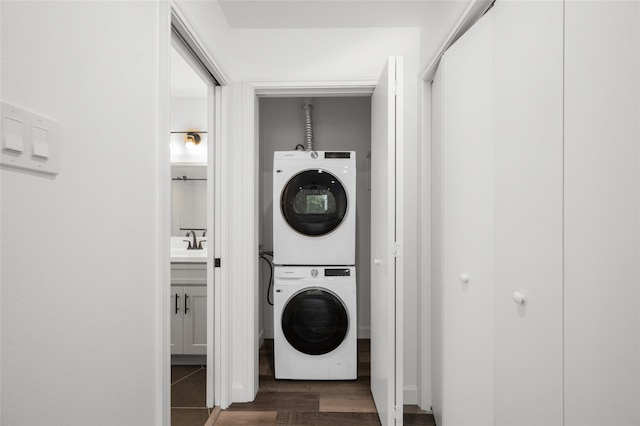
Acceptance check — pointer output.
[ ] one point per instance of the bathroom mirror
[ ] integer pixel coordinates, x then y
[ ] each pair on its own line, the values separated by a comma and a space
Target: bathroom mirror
188, 199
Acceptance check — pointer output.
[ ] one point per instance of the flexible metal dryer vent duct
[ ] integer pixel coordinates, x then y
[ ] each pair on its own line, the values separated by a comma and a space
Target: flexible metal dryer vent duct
308, 124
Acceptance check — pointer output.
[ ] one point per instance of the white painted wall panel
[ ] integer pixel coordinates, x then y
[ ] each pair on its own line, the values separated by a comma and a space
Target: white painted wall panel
79, 275
602, 96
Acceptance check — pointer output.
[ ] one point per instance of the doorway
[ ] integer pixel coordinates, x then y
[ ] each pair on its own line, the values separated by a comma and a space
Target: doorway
388, 378
192, 174
340, 124
189, 144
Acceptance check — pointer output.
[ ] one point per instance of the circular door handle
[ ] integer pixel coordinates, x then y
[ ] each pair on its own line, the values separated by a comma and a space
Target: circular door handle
519, 298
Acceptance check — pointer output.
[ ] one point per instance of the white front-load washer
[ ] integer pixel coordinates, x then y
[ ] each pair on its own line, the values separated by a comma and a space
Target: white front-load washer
314, 207
315, 326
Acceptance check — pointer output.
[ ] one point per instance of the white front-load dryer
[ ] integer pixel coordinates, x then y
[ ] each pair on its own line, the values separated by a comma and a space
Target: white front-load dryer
314, 207
315, 326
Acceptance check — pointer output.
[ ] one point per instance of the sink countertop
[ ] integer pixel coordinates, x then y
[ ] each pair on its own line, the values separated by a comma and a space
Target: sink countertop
188, 256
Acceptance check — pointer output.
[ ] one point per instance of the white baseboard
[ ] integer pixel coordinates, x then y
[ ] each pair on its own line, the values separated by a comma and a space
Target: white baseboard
364, 332
188, 360
238, 394
410, 395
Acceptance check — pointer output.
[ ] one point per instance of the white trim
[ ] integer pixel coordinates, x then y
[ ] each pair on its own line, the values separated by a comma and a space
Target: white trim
424, 249
163, 350
315, 88
469, 16
212, 212
410, 395
181, 22
244, 251
364, 332
398, 217
222, 389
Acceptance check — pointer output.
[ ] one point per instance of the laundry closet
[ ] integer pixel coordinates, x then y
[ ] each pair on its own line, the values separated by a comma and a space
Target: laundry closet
339, 124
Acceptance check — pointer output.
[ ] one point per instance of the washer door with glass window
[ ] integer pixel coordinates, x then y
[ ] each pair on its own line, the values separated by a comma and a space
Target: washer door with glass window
315, 321
314, 202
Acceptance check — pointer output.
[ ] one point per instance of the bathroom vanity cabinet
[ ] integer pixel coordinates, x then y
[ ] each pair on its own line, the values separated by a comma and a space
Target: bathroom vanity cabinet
188, 309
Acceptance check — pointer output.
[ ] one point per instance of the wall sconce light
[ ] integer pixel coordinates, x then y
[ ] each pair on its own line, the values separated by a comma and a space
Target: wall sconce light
191, 140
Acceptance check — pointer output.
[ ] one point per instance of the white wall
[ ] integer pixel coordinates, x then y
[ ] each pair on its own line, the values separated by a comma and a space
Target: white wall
342, 123
311, 55
188, 198
321, 54
436, 27
210, 26
188, 114
79, 289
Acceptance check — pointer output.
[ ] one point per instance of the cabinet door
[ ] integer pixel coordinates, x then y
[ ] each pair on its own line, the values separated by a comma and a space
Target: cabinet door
528, 199
195, 320
467, 228
177, 319
602, 294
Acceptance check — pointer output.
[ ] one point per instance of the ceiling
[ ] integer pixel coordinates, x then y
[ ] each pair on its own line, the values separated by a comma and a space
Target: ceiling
335, 13
436, 16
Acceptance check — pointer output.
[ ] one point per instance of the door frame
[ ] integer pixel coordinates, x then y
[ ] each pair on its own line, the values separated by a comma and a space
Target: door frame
171, 14
245, 161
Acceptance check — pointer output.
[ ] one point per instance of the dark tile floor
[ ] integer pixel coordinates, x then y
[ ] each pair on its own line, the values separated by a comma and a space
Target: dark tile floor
188, 405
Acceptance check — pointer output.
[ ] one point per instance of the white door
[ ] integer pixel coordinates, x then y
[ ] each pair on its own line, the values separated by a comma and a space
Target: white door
386, 279
601, 213
528, 203
466, 284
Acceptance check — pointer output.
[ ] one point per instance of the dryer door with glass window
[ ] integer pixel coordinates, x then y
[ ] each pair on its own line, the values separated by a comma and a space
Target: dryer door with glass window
315, 321
314, 202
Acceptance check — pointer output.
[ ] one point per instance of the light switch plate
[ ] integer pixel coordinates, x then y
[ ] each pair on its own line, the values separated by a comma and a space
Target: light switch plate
40, 138
12, 138
30, 141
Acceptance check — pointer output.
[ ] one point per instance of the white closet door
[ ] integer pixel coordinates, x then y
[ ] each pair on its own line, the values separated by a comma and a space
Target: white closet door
528, 156
467, 230
602, 258
386, 211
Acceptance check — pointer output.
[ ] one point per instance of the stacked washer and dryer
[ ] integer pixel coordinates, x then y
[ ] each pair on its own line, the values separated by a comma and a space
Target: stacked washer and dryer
314, 238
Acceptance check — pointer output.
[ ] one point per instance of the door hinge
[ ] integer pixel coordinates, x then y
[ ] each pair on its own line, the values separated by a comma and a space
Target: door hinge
216, 262
397, 88
397, 413
396, 249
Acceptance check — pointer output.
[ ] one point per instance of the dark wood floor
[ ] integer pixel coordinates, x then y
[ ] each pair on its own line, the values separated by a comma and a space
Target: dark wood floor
300, 402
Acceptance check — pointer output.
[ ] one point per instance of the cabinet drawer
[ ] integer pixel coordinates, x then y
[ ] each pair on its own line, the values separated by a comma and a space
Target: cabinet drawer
188, 273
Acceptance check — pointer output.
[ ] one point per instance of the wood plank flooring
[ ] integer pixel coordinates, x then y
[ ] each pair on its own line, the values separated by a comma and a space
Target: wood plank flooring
318, 403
